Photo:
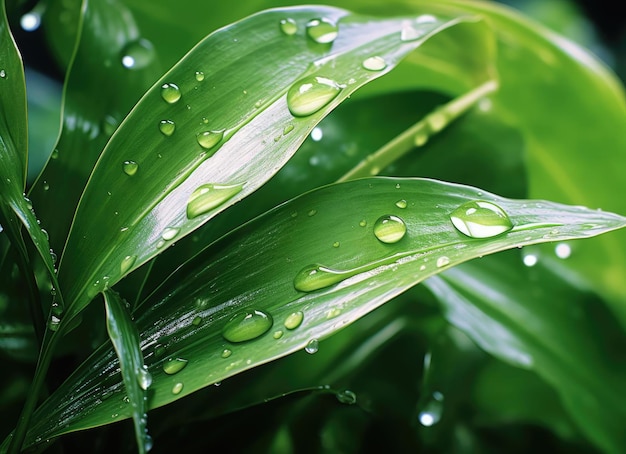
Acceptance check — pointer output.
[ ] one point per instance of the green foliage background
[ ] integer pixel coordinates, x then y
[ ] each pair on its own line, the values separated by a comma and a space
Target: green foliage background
489, 355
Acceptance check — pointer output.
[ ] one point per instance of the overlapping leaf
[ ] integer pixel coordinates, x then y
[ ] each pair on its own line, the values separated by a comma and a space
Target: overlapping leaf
254, 269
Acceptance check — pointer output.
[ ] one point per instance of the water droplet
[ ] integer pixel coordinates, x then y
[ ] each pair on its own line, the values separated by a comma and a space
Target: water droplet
199, 76
481, 219
167, 127
53, 323
332, 313
563, 250
137, 54
247, 325
336, 244
144, 378
287, 129
420, 139
410, 33
127, 263
442, 261
226, 353
169, 233
209, 196
208, 139
431, 412
310, 94
389, 229
130, 168
177, 388
196, 320
294, 320
322, 30
374, 63
312, 347
3, 74
45, 186
170, 93
363, 223
55, 154
288, 26
346, 397
401, 204
311, 213
315, 277
277, 334
174, 365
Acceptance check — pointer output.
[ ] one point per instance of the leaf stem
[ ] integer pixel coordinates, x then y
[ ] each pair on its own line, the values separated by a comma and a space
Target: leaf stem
419, 133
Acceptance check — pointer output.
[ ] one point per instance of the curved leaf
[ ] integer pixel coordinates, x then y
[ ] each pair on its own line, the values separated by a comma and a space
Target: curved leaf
255, 267
224, 133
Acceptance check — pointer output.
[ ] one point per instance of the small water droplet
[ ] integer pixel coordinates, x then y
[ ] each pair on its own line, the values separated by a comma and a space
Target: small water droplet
431, 412
420, 139
45, 185
410, 33
401, 204
199, 76
169, 233
177, 388
137, 54
53, 323
288, 26
389, 229
287, 129
247, 325
315, 277
144, 378
3, 74
170, 93
312, 347
226, 353
196, 320
442, 261
210, 196
209, 139
346, 397
167, 127
374, 63
310, 94
311, 213
336, 244
332, 313
322, 30
55, 154
130, 168
277, 334
363, 223
480, 219
127, 263
294, 320
174, 365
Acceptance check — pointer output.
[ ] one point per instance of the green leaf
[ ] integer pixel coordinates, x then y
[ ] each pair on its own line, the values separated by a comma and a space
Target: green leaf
534, 320
125, 338
254, 269
224, 133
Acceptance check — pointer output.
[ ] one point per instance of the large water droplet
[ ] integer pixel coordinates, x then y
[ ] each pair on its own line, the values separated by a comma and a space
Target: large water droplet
431, 412
294, 320
389, 229
208, 139
481, 219
247, 325
310, 94
167, 127
322, 30
170, 93
312, 347
374, 63
315, 277
127, 263
137, 54
130, 168
209, 196
169, 233
288, 26
174, 365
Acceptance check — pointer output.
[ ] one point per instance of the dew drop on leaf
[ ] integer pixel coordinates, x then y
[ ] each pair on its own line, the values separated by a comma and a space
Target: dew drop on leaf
199, 76
177, 388
374, 63
144, 378
322, 30
312, 347
169, 233
167, 127
442, 261
480, 219
210, 196
226, 353
127, 263
346, 397
174, 365
389, 229
294, 320
288, 26
247, 325
310, 94
208, 139
170, 93
130, 168
315, 277
401, 204
137, 54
